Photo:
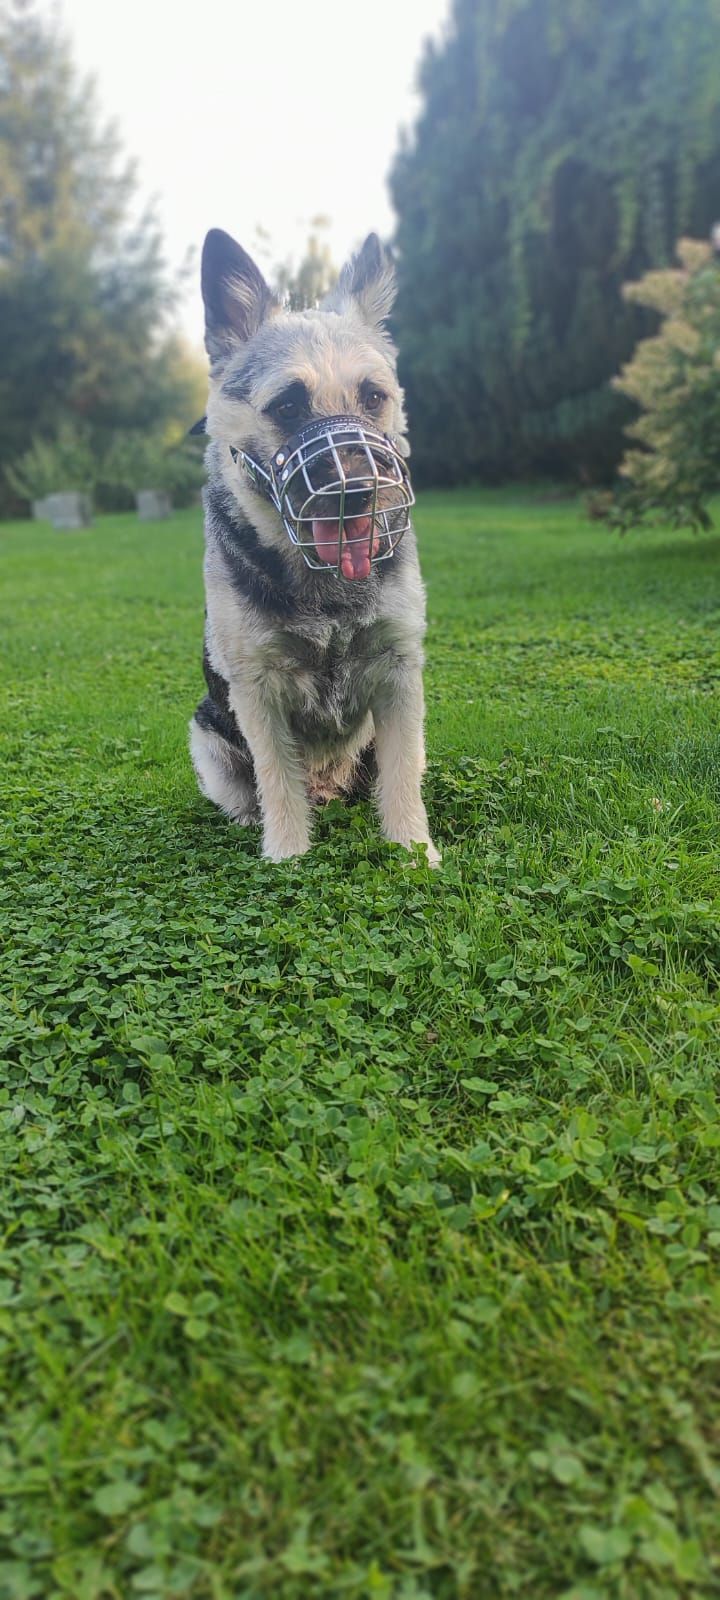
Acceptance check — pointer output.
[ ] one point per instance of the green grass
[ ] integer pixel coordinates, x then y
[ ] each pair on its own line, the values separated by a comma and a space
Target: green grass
360, 1225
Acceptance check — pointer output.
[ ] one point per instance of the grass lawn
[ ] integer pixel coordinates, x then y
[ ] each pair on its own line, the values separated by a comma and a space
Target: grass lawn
360, 1224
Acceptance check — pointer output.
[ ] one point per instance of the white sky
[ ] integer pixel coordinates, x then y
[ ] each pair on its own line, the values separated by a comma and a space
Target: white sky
255, 112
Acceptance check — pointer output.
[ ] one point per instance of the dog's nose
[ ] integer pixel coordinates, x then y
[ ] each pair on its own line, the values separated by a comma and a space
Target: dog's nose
329, 483
357, 502
323, 472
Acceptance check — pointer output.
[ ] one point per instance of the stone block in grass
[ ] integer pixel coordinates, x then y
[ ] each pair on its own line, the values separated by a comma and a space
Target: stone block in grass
68, 510
153, 505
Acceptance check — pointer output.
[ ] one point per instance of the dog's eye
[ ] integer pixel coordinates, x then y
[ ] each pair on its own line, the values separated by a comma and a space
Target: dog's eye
290, 406
372, 398
287, 411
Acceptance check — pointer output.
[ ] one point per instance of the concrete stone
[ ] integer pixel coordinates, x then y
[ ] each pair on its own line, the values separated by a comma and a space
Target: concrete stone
153, 505
68, 510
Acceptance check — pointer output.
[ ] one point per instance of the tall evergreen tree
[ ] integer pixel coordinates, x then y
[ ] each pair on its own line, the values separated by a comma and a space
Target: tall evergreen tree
305, 284
83, 291
561, 149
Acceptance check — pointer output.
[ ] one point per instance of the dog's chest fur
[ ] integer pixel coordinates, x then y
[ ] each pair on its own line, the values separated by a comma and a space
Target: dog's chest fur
322, 675
316, 651
328, 681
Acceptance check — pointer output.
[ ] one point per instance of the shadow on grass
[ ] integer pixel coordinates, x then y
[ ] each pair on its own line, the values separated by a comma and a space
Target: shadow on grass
647, 567
688, 547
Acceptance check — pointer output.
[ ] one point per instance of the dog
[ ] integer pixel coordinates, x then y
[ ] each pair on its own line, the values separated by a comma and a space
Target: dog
314, 623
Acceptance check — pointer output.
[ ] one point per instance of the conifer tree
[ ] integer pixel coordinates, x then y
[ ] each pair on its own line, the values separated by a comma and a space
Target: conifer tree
562, 147
84, 295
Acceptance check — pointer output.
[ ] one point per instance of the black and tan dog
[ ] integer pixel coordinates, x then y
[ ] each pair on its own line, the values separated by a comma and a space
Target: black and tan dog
313, 664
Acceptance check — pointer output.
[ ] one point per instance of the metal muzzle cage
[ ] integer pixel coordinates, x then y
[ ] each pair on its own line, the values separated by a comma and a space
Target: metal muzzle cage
343, 492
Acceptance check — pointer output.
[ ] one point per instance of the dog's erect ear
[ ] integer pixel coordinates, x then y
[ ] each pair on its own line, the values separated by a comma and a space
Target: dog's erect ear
368, 280
236, 296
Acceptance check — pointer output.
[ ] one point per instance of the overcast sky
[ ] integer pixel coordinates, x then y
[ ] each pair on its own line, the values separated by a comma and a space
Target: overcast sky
255, 112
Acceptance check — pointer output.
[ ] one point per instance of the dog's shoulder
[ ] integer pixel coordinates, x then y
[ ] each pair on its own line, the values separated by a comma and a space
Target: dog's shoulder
257, 572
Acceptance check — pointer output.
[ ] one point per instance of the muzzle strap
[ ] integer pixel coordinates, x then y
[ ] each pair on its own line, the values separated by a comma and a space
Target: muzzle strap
259, 478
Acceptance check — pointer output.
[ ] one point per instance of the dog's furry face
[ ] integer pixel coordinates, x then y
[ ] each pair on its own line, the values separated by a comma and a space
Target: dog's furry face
273, 370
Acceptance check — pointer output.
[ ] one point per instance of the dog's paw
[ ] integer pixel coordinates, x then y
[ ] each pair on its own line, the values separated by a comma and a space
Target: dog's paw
423, 849
426, 851
284, 848
245, 819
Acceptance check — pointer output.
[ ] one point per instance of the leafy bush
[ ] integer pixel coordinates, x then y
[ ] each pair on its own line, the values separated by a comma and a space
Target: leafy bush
110, 468
675, 378
65, 461
146, 461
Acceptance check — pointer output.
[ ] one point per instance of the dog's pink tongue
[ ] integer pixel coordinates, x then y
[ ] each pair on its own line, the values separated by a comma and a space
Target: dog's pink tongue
356, 544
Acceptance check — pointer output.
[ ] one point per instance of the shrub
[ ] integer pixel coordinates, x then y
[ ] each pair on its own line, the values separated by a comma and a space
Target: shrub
674, 377
146, 461
108, 468
65, 461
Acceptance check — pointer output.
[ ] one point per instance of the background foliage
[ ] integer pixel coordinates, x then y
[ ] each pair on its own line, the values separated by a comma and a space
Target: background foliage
675, 378
560, 151
558, 154
84, 295
303, 283
110, 468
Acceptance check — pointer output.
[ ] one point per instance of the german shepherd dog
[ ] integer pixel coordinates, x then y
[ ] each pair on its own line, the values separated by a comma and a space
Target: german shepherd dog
314, 627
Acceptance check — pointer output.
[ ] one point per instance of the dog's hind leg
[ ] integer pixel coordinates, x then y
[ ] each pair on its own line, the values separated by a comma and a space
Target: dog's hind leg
364, 776
224, 771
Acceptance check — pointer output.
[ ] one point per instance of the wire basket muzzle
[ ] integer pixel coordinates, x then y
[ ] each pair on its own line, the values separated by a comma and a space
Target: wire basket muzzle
344, 494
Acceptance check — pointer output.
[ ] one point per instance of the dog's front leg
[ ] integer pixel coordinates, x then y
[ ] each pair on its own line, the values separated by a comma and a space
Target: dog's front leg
278, 772
400, 749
